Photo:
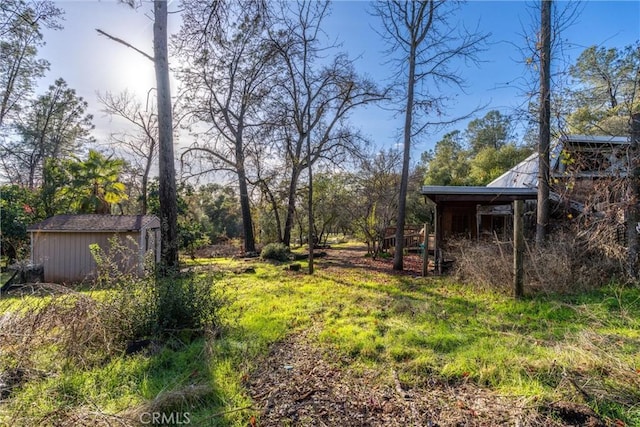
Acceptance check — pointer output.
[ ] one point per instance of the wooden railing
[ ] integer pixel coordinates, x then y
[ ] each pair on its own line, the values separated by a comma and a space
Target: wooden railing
412, 242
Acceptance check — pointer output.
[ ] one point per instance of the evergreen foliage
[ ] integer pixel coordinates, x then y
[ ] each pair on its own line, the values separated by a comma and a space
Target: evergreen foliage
275, 252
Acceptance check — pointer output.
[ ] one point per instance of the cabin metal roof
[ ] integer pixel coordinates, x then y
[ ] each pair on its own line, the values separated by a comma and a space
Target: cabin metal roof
96, 223
525, 173
594, 139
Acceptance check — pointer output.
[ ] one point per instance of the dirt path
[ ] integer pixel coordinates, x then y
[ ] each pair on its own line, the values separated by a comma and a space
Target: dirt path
299, 385
355, 257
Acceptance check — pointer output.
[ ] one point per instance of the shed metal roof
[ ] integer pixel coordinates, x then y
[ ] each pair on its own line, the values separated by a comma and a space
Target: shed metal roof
96, 223
439, 193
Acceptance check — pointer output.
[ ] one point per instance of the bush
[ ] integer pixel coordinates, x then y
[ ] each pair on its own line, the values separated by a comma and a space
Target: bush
186, 305
187, 302
154, 306
276, 252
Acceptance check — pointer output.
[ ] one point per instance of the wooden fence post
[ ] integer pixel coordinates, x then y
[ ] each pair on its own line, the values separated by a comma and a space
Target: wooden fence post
518, 248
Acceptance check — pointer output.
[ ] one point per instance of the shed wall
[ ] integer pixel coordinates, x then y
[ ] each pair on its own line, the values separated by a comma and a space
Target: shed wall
458, 219
66, 256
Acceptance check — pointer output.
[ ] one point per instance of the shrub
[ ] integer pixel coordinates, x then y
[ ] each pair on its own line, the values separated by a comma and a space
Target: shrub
155, 306
186, 305
187, 302
276, 252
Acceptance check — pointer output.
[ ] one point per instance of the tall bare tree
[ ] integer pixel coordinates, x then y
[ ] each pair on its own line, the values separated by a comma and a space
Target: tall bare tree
312, 102
226, 72
544, 129
424, 44
544, 57
167, 170
139, 147
166, 163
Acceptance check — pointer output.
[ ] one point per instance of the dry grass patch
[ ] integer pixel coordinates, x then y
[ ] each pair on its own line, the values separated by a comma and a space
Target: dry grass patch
565, 265
67, 324
177, 404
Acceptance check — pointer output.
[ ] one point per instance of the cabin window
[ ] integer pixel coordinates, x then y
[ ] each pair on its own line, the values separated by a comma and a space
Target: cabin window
594, 161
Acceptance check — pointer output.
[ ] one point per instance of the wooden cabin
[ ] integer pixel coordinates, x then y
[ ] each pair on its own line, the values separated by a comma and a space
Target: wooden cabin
579, 164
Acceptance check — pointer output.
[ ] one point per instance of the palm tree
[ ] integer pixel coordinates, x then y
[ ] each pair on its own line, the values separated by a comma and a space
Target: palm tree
95, 183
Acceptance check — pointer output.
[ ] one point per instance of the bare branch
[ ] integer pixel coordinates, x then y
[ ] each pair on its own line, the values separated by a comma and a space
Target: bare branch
119, 40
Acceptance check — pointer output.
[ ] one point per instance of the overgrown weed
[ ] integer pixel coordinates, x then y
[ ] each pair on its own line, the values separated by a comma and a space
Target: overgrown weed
566, 264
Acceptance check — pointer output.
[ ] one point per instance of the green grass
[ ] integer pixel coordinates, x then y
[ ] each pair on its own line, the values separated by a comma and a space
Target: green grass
425, 327
418, 327
4, 276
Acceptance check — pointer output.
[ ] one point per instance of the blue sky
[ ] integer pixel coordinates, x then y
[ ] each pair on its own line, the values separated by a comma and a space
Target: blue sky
91, 63
501, 80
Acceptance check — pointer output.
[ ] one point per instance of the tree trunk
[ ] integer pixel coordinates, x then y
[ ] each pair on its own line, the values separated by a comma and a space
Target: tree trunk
145, 179
545, 124
245, 203
245, 207
398, 257
274, 206
310, 233
167, 173
291, 207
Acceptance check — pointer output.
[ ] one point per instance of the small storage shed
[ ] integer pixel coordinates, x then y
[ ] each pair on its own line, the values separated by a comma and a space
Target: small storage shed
61, 244
472, 211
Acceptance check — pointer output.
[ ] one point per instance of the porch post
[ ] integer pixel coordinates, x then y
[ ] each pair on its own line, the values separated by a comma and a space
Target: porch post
478, 221
436, 237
